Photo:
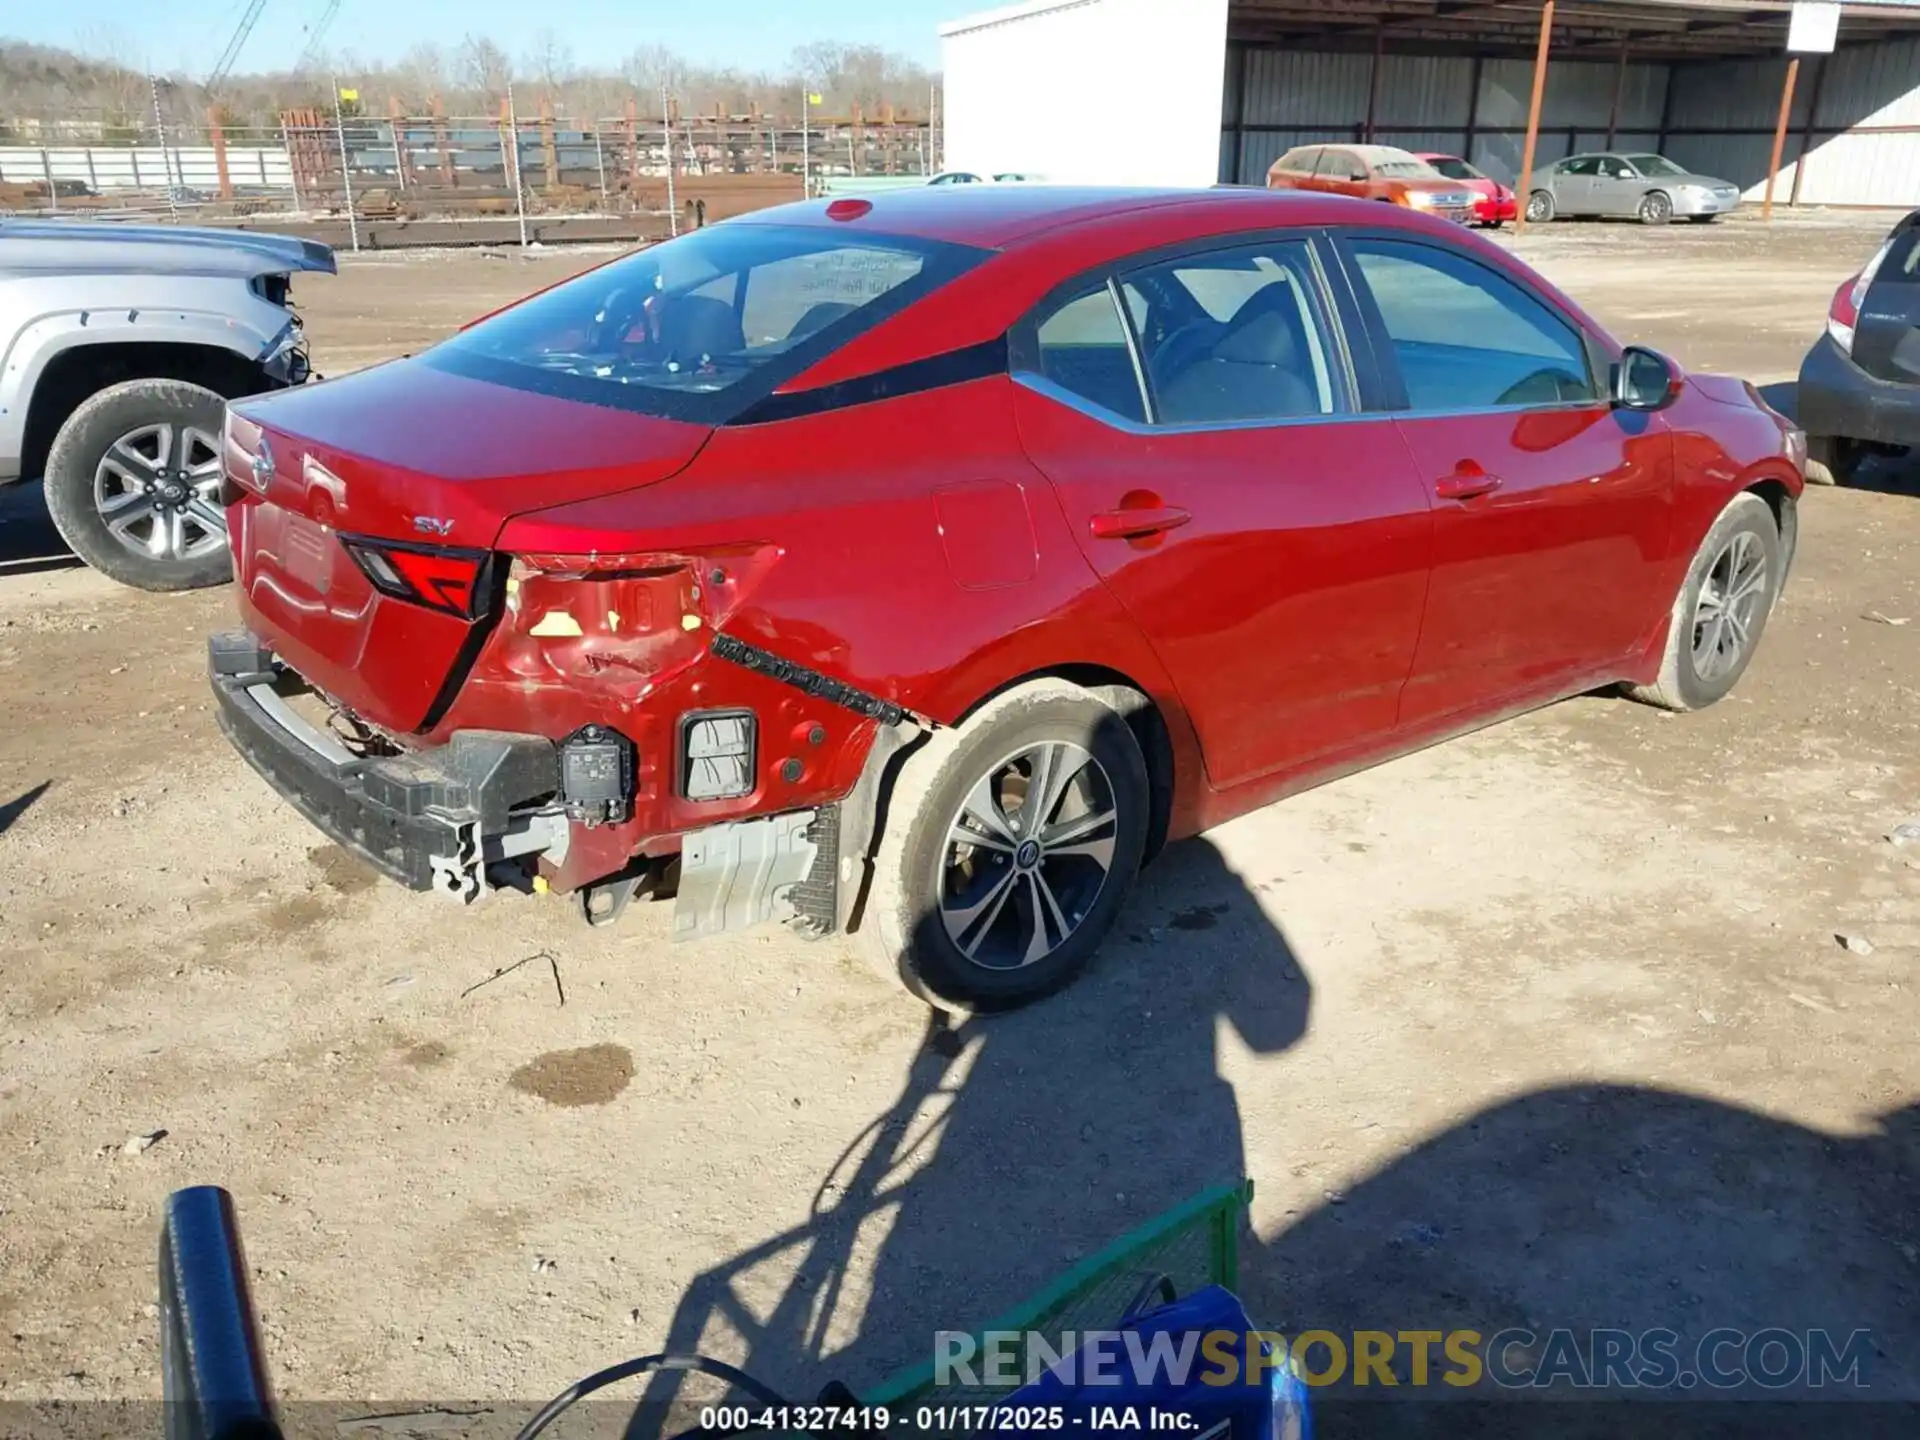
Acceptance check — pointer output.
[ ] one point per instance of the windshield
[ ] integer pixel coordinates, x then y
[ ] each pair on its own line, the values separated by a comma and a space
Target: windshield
700, 327
1405, 169
1654, 165
1455, 169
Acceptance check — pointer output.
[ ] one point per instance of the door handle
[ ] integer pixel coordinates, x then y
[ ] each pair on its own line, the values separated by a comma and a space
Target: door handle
1466, 482
1131, 524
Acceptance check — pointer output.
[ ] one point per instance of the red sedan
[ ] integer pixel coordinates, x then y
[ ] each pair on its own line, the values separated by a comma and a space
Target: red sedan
1493, 203
934, 559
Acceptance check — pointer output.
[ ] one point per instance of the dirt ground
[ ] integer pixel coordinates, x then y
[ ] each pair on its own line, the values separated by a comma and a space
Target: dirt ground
1548, 1026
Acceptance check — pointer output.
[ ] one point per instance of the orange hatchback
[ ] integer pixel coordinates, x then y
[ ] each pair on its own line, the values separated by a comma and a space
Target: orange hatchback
1372, 172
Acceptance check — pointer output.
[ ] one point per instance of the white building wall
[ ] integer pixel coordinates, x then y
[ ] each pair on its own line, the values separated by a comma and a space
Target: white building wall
1112, 92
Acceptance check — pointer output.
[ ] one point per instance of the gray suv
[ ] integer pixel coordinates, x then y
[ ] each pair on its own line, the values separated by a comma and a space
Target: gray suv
1629, 185
119, 348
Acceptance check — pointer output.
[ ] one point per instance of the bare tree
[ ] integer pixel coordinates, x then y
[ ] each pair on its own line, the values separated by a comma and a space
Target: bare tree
422, 71
482, 67
550, 61
105, 90
652, 68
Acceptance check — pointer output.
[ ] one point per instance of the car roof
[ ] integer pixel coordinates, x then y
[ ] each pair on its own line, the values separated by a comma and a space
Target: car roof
1375, 154
993, 217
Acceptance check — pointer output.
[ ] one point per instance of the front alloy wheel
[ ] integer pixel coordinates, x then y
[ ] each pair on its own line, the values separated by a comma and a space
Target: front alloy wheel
158, 490
1539, 207
1730, 603
1656, 209
1722, 607
134, 485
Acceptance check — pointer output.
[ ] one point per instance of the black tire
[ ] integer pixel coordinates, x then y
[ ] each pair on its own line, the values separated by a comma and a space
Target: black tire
190, 414
1833, 459
1540, 207
1681, 685
1656, 208
905, 927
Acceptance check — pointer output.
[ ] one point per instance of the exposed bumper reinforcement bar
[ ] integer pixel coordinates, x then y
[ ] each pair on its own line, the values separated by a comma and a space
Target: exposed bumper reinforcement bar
432, 820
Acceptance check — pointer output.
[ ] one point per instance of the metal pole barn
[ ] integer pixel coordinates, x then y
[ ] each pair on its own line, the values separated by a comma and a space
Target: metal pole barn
1780, 135
1533, 114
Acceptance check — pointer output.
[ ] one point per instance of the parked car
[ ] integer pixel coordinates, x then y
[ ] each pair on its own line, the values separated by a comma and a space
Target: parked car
922, 563
1493, 203
1648, 188
969, 177
1859, 391
1372, 172
123, 344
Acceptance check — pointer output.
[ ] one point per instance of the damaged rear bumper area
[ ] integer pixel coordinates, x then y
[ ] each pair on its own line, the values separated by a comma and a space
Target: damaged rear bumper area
432, 820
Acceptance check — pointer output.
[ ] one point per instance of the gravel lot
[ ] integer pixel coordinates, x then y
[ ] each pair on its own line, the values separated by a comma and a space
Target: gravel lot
1549, 1025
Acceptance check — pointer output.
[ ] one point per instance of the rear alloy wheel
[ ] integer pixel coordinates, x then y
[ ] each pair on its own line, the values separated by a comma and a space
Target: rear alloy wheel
1656, 208
1010, 844
1722, 608
1539, 207
134, 485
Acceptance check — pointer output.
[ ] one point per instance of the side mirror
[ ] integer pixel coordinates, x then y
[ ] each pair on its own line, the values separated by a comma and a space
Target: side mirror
1644, 380
212, 1376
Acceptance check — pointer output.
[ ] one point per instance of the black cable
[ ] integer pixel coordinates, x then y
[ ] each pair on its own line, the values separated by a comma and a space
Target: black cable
627, 1369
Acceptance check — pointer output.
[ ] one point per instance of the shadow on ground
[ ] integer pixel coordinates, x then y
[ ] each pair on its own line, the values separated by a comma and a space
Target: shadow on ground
20, 804
1020, 1143
28, 541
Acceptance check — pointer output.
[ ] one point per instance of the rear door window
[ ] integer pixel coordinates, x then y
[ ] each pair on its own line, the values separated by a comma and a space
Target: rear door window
1902, 265
1247, 340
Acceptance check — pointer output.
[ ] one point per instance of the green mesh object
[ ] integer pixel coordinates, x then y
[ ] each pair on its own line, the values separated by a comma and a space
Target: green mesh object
1193, 1245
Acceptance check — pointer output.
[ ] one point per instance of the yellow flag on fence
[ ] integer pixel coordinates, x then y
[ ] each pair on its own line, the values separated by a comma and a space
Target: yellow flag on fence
350, 95
813, 99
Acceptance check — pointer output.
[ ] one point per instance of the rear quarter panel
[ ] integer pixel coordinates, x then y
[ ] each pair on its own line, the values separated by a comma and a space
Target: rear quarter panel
906, 547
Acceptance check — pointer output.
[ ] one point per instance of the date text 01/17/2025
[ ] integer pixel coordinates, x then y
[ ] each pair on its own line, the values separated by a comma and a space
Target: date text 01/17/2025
943, 1419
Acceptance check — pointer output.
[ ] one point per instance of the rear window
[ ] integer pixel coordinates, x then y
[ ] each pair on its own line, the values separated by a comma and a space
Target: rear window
700, 327
1902, 265
1455, 169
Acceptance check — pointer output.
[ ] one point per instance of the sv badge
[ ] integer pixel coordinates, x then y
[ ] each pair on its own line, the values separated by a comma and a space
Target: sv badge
432, 525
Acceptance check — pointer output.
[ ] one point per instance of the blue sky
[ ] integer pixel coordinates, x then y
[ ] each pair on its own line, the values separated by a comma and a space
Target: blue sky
752, 34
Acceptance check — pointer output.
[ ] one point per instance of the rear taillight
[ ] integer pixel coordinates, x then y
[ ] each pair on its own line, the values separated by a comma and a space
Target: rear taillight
1844, 313
448, 580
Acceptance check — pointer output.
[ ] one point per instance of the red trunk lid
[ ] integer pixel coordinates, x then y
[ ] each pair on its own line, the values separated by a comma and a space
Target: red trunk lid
421, 458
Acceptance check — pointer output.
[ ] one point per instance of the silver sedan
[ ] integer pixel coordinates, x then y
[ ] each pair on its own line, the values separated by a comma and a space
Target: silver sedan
1648, 188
